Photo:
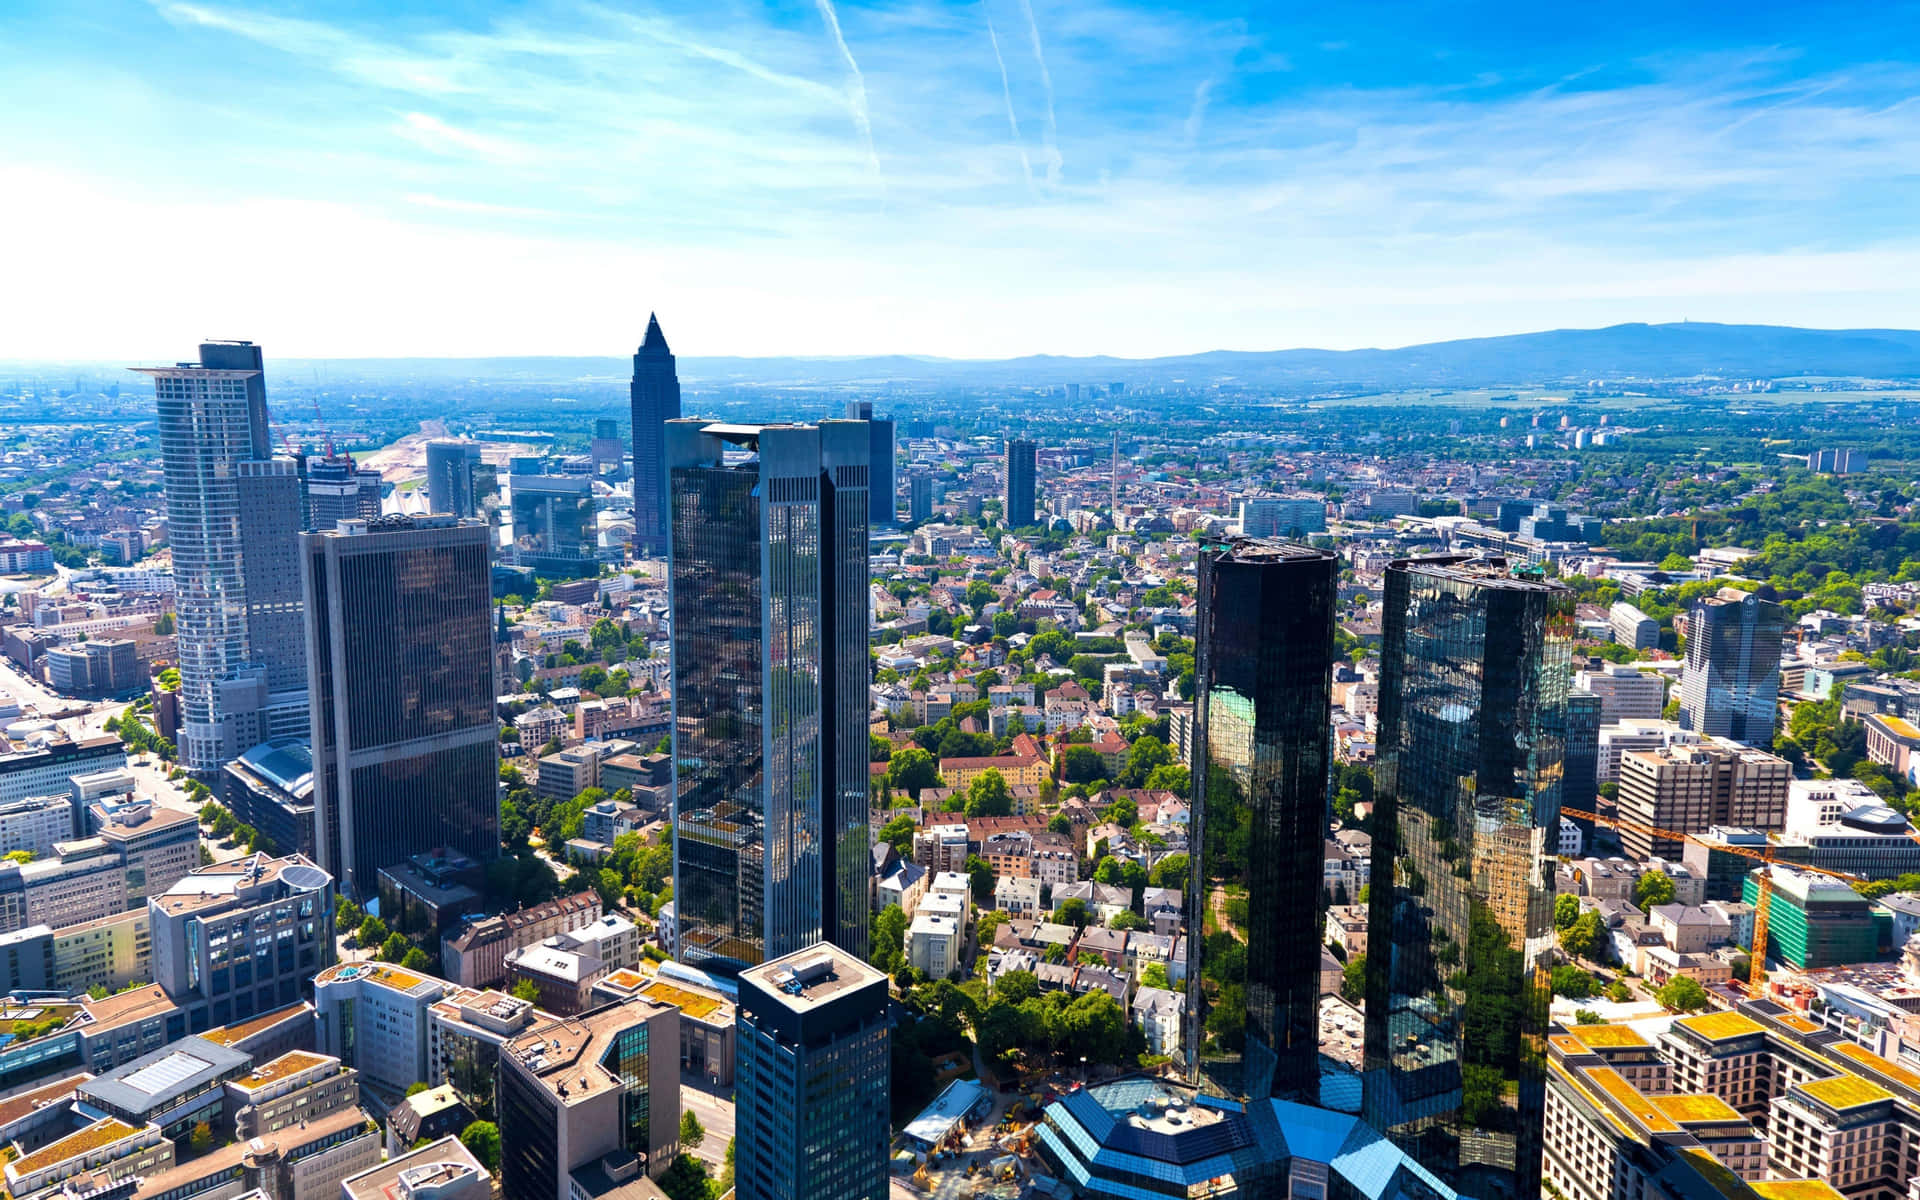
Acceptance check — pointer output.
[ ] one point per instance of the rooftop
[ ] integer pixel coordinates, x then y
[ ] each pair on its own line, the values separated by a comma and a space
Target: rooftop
284, 1067
23, 1104
1720, 1026
811, 977
1596, 1037
1855, 1052
1695, 1109
441, 1162
380, 973
1843, 1092
693, 1004
103, 1132
564, 1055
127, 1007
1794, 1189
227, 1035
1628, 1097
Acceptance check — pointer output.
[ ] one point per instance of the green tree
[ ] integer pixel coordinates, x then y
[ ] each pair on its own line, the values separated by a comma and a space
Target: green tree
1170, 872
911, 769
372, 932
20, 856
415, 959
1619, 992
1566, 910
526, 990
1573, 983
1154, 975
980, 879
1082, 764
1172, 777
1353, 979
988, 795
394, 948
886, 943
898, 833
1585, 937
1682, 994
416, 1087
1060, 823
1653, 889
879, 749
1073, 912
482, 1140
685, 1179
1146, 755
201, 1138
692, 1132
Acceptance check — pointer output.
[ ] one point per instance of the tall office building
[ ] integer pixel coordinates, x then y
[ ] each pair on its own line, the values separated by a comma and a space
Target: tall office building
1470, 753
813, 1080
1731, 683
1019, 499
450, 482
233, 514
768, 580
586, 1103
656, 400
1582, 787
1262, 741
405, 757
885, 512
337, 490
554, 530
919, 498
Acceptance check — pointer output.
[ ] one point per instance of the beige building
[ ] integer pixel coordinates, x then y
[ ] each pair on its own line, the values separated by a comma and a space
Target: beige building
1691, 788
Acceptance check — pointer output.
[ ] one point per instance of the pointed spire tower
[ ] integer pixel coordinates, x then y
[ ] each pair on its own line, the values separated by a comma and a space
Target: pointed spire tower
656, 400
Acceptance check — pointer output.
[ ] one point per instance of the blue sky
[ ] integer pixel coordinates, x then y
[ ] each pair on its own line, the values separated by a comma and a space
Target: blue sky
981, 179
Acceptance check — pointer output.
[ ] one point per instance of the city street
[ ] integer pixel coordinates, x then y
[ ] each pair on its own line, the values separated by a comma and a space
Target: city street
714, 1107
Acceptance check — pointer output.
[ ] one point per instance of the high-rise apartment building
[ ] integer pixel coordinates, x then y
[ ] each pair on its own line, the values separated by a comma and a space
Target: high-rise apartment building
405, 756
586, 1101
233, 514
1262, 741
656, 400
450, 481
1731, 682
812, 1079
885, 511
919, 498
1019, 499
1690, 788
768, 581
1471, 746
337, 490
553, 524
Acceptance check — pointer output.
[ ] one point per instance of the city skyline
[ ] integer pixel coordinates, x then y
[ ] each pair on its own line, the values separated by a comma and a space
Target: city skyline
1333, 179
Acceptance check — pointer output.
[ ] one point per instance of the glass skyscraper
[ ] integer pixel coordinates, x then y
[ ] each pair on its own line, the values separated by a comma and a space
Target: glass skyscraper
1468, 778
1262, 744
656, 400
554, 530
885, 511
450, 482
768, 579
1018, 500
1731, 684
233, 514
405, 744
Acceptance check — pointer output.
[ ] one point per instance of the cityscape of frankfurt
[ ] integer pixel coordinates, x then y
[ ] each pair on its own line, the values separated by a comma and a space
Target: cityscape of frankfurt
1372, 552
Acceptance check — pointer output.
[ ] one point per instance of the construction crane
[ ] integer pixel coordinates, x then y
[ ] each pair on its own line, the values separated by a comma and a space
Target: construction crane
324, 430
1757, 974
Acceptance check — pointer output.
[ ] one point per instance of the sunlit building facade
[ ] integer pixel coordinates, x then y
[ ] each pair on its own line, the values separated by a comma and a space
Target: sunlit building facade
1469, 773
1731, 684
1262, 741
769, 578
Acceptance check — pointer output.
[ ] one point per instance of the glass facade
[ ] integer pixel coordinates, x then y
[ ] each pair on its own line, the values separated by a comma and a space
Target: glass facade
627, 1058
1582, 787
404, 736
1731, 684
769, 578
1262, 742
553, 524
1019, 497
1468, 781
655, 394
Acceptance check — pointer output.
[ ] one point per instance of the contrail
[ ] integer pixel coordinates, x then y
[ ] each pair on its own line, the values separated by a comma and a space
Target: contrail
1006, 90
857, 90
1046, 82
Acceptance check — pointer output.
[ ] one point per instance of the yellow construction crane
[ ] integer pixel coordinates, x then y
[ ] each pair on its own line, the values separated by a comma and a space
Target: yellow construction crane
1757, 976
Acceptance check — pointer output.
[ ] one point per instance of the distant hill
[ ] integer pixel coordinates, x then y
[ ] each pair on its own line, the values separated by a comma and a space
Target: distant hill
1616, 353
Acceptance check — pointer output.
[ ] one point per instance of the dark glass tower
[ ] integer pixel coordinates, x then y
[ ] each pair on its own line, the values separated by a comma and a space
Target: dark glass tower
400, 634
1582, 789
450, 482
656, 400
769, 579
1262, 741
1018, 505
1731, 684
1470, 754
884, 512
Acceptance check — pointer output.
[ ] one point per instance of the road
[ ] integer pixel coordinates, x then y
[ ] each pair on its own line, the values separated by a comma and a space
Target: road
714, 1107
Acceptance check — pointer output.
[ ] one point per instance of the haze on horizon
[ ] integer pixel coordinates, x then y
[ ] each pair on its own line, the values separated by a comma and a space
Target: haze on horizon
979, 180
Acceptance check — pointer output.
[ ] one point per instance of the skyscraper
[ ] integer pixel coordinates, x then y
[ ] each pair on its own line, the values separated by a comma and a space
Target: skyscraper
813, 1078
768, 580
1470, 753
1731, 683
1019, 500
1582, 789
404, 736
1262, 742
554, 529
233, 514
450, 483
339, 491
885, 512
656, 400
919, 498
